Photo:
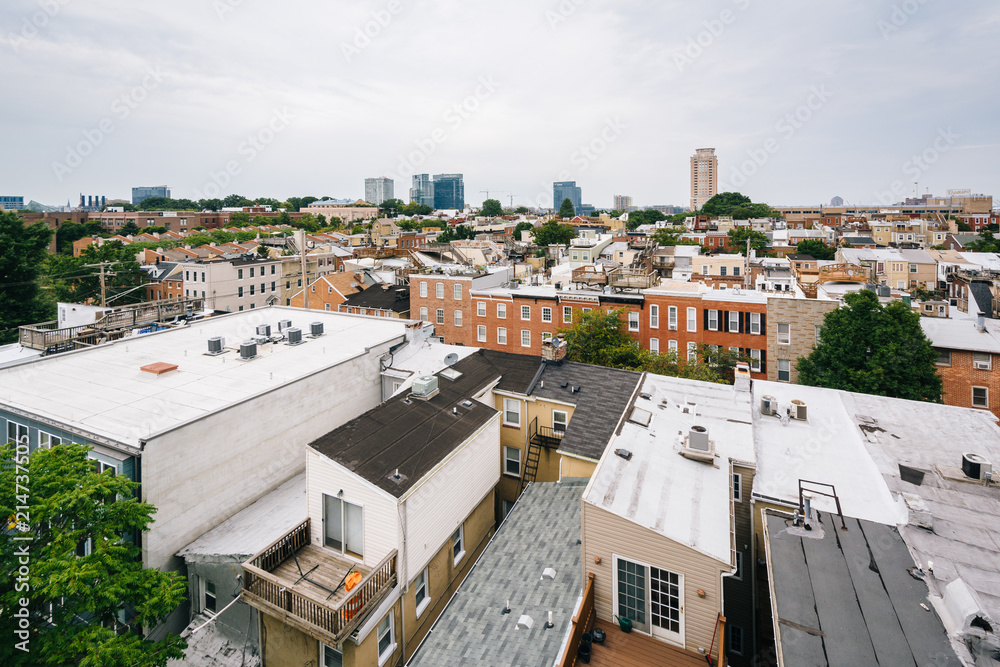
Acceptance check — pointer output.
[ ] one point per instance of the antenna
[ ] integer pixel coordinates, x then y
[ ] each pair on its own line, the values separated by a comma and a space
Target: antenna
451, 359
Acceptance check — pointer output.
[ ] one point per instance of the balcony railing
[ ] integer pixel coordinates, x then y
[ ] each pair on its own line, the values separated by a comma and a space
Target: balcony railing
544, 435
330, 618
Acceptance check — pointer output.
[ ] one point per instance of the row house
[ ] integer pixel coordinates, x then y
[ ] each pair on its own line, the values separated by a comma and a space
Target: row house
234, 285
968, 361
899, 269
379, 301
328, 292
165, 280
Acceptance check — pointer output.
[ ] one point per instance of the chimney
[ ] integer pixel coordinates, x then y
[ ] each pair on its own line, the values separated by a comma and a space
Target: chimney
553, 350
741, 379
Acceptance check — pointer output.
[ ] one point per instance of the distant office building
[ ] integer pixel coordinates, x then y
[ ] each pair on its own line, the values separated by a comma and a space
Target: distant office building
11, 203
623, 203
837, 201
377, 190
422, 190
92, 202
562, 190
449, 191
704, 177
585, 210
139, 194
667, 209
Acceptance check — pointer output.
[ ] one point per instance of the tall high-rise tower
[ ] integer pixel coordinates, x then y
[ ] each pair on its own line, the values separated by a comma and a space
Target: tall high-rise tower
377, 190
704, 177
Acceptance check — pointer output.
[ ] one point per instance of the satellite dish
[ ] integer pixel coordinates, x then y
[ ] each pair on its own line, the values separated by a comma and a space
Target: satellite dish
451, 359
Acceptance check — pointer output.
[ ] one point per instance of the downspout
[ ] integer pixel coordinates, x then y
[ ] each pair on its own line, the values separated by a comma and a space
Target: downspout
401, 509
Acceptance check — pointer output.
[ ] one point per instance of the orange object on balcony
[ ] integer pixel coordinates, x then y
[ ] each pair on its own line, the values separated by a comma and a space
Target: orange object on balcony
353, 579
352, 607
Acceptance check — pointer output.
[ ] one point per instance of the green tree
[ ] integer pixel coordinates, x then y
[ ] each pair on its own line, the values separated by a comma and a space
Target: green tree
553, 233
238, 219
262, 251
873, 349
70, 504
71, 279
566, 210
524, 226
236, 200
390, 208
129, 229
414, 208
985, 243
738, 237
522, 210
22, 251
492, 208
816, 248
70, 231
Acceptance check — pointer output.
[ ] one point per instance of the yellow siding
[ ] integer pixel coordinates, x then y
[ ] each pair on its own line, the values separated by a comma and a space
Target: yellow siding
571, 467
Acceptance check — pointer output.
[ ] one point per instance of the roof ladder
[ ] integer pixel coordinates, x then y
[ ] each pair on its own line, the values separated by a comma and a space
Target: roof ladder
531, 464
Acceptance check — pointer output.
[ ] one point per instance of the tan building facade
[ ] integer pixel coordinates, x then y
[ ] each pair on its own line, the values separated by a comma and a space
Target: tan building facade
704, 177
793, 329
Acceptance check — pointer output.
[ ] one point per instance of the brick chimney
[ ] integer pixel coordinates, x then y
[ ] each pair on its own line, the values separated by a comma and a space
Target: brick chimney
553, 350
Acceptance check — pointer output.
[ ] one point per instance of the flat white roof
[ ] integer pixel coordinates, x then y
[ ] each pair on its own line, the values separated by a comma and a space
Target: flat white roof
962, 334
684, 500
103, 391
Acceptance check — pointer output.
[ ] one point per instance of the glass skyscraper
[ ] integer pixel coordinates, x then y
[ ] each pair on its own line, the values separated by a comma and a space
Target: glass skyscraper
443, 191
139, 194
377, 190
562, 190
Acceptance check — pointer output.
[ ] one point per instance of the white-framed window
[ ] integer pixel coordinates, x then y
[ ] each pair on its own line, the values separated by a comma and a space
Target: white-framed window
481, 308
567, 314
421, 592
755, 323
654, 316
423, 313
784, 333
439, 290
692, 319
17, 433
501, 311
239, 291
672, 318
980, 397
423, 289
525, 338
209, 598
326, 306
386, 640
654, 345
672, 346
252, 287
982, 361
343, 526
713, 320
944, 358
736, 639
722, 270
501, 336
546, 314
739, 566
734, 321
330, 656
511, 412
692, 351
737, 487
458, 318
439, 315
755, 360
481, 333
512, 461
525, 312
560, 419
546, 335
458, 544
784, 370
817, 331
239, 274
457, 291
47, 440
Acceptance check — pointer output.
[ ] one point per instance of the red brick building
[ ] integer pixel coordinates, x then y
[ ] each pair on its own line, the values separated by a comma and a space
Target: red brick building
968, 361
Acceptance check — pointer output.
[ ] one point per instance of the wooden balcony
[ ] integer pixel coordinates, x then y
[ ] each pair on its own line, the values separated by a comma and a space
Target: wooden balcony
303, 586
590, 275
630, 278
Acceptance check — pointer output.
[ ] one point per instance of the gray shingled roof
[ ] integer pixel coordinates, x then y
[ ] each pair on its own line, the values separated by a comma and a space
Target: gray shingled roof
543, 530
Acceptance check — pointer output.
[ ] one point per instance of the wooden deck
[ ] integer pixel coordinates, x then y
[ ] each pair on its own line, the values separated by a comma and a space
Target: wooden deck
638, 650
330, 571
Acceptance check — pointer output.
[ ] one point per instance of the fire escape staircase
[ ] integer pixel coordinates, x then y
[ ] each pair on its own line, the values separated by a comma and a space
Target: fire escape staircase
538, 437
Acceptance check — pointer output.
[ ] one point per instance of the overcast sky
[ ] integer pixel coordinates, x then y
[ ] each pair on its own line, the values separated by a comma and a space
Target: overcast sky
801, 100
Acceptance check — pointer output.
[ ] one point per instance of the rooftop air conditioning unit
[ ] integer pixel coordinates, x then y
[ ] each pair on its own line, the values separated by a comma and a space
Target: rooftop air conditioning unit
284, 324
294, 336
316, 329
698, 439
768, 405
976, 466
216, 345
264, 330
798, 410
425, 386
248, 350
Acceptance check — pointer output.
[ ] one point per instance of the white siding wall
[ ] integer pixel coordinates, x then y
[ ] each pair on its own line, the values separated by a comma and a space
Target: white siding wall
381, 520
448, 495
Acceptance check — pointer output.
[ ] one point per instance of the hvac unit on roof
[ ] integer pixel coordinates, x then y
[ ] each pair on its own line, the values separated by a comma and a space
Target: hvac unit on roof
294, 335
316, 329
976, 466
768, 405
248, 350
284, 324
698, 439
798, 410
216, 345
425, 386
264, 330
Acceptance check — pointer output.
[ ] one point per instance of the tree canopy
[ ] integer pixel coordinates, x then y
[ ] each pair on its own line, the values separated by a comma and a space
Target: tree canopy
71, 279
553, 232
648, 217
23, 249
458, 233
737, 206
492, 208
566, 210
668, 236
985, 243
816, 248
524, 226
738, 237
873, 349
390, 208
82, 570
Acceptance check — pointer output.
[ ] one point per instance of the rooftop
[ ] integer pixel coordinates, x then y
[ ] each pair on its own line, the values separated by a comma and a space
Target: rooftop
382, 297
101, 391
541, 531
959, 334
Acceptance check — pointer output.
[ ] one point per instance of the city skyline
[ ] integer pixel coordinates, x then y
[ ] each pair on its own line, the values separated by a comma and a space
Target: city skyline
856, 100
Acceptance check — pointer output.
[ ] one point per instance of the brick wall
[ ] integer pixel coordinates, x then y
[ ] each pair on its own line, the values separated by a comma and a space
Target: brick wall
959, 376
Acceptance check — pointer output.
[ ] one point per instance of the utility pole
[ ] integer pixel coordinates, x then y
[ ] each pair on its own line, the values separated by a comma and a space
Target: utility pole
301, 241
104, 300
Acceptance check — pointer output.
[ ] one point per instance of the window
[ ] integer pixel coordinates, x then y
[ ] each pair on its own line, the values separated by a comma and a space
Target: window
692, 351
704, 268
239, 274
512, 461
263, 288
944, 358
736, 639
755, 324
755, 361
421, 597
713, 320
501, 336
525, 312
633, 321
481, 309
654, 317
326, 306
239, 291
739, 566
423, 313
423, 289
692, 319
251, 272
47, 440
560, 418
209, 600
525, 338
507, 507
252, 289
272, 269
458, 544
784, 333
737, 487
736, 270
481, 333
546, 314
457, 291
331, 656
672, 346
734, 322
501, 311
17, 433
274, 287
511, 412
784, 370
672, 318
546, 335
458, 318
982, 361
654, 345
386, 645
722, 270
343, 526
980, 397
439, 290
439, 315
913, 267
567, 314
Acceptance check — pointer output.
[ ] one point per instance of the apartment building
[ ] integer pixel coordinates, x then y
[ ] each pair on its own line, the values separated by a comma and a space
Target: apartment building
898, 269
793, 330
165, 280
379, 301
704, 177
244, 283
444, 298
968, 360
349, 211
